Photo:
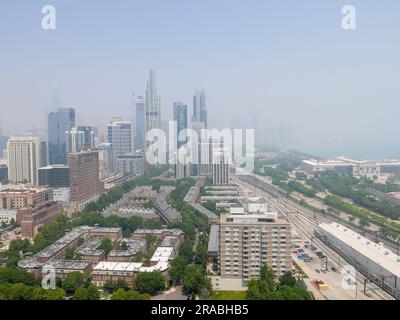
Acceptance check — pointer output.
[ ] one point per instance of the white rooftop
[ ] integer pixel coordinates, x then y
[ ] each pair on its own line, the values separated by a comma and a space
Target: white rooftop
118, 266
162, 254
374, 251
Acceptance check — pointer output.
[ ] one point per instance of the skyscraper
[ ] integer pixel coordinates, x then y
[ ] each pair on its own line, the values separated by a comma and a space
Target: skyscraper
43, 154
3, 142
140, 122
182, 165
58, 123
120, 136
199, 107
220, 166
153, 104
105, 160
23, 159
180, 116
80, 138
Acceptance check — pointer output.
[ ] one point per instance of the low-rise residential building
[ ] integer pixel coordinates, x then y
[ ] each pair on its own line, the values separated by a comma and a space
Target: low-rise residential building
63, 267
134, 246
89, 251
113, 271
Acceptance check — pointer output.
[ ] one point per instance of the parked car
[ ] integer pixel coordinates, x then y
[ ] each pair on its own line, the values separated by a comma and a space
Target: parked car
317, 270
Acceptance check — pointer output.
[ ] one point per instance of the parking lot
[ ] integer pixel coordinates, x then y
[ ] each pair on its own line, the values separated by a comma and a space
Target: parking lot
334, 285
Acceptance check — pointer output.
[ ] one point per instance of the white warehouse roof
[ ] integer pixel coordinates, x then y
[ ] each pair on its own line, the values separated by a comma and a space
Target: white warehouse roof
373, 251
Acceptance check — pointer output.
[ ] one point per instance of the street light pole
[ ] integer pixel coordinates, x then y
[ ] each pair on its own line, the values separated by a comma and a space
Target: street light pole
356, 290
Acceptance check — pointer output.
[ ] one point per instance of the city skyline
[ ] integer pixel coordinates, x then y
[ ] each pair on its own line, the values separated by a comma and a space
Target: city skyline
293, 68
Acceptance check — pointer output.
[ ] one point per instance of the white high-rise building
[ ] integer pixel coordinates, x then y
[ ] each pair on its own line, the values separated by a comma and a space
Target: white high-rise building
182, 165
74, 140
138, 121
220, 166
120, 136
23, 159
153, 105
199, 107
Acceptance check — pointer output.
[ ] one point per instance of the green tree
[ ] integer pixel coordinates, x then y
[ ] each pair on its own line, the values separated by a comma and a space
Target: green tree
11, 275
74, 281
93, 292
195, 281
111, 286
106, 245
150, 282
186, 250
121, 294
267, 288
55, 294
288, 279
81, 294
124, 246
152, 224
177, 269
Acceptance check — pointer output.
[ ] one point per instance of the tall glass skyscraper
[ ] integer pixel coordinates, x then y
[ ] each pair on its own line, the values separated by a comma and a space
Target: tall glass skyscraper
120, 136
57, 124
140, 119
199, 107
180, 116
153, 104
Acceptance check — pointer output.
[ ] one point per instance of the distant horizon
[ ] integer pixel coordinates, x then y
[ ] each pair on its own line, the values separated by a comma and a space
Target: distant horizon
265, 65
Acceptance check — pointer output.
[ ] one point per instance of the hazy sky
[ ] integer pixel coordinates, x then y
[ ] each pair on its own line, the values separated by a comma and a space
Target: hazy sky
289, 61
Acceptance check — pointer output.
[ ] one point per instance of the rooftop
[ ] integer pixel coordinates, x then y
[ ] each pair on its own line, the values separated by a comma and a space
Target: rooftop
374, 251
117, 266
213, 242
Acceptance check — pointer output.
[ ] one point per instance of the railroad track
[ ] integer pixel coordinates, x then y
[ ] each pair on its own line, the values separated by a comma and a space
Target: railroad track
305, 223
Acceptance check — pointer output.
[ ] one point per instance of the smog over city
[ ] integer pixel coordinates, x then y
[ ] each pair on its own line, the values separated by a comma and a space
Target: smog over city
263, 64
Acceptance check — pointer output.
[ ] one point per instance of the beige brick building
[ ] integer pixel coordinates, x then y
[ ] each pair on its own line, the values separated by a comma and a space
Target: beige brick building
249, 241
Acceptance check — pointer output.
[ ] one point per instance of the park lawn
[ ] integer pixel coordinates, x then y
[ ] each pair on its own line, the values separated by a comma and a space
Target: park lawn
228, 295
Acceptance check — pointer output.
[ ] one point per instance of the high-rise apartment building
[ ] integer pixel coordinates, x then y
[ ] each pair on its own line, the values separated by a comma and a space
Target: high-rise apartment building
180, 116
153, 104
85, 184
249, 241
120, 136
23, 159
58, 123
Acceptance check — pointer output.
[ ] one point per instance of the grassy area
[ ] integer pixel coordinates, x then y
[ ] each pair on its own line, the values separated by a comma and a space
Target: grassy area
228, 295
